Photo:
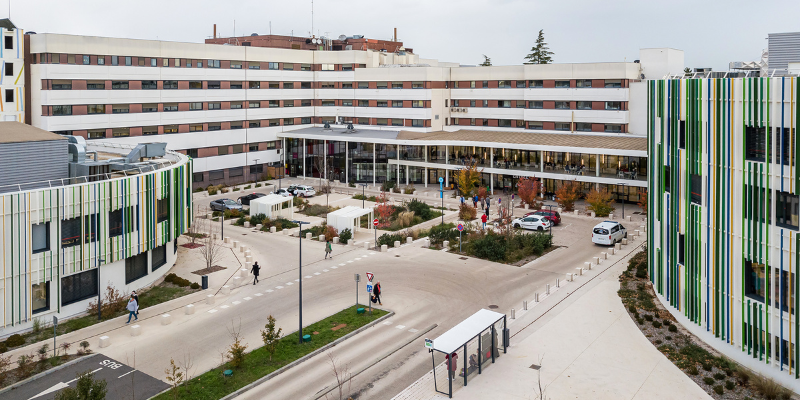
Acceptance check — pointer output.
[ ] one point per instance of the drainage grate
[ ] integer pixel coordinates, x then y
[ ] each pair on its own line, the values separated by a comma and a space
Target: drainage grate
536, 367
463, 258
493, 306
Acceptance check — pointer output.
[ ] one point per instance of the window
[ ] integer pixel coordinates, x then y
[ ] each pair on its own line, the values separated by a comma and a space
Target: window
101, 60
562, 126
253, 104
121, 132
756, 143
177, 62
667, 180
383, 103
213, 85
9, 68
583, 83
417, 85
71, 59
135, 267
397, 103
115, 223
305, 120
140, 60
288, 85
682, 134
158, 256
305, 67
562, 84
536, 104
504, 103
236, 171
62, 110
328, 67
613, 128
307, 85
170, 84
363, 121
383, 85
153, 62
90, 228
472, 103
237, 125
696, 189
305, 103
754, 276
235, 105
128, 61
114, 60
397, 122
254, 85
149, 130
536, 84
77, 287
165, 62
195, 106
254, 124
486, 103
95, 85
236, 85
288, 67
214, 106
216, 175
9, 43
62, 85
196, 128
237, 148
583, 127
213, 63
162, 209
253, 65
96, 109
614, 83
40, 296
274, 85
222, 150
274, 103
195, 84
383, 121
97, 133
787, 210
613, 105
149, 85
329, 103
251, 147
584, 105
347, 103
257, 169
397, 85
363, 85
503, 84
418, 122
535, 125
40, 237
191, 153
120, 109
562, 105
504, 123
363, 103
274, 122
170, 106
70, 232
272, 65
787, 139
152, 107
417, 103
520, 84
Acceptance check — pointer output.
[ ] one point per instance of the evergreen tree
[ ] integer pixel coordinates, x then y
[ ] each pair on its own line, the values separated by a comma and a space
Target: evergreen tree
487, 62
540, 53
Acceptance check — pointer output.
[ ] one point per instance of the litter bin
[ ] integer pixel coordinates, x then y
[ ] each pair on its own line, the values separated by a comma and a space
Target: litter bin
205, 282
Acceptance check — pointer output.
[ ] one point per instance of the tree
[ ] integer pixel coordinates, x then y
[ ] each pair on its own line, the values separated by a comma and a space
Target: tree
567, 194
87, 389
236, 351
487, 62
528, 190
270, 336
5, 365
467, 178
342, 375
643, 201
193, 230
174, 377
211, 249
383, 210
540, 53
600, 202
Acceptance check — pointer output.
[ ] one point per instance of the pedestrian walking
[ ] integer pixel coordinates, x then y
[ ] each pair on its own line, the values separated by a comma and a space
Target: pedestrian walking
376, 291
136, 297
475, 201
462, 200
133, 309
256, 268
328, 248
484, 218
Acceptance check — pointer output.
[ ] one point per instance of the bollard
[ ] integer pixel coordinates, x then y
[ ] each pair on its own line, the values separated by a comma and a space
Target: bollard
210, 299
525, 305
396, 243
558, 283
548, 289
136, 330
446, 244
322, 238
630, 218
409, 239
570, 277
189, 309
244, 272
588, 265
308, 235
536, 297
105, 341
636, 232
618, 246
580, 271
366, 245
575, 212
204, 282
272, 229
611, 251
513, 314
227, 239
384, 248
214, 236
336, 240
625, 242
247, 253
611, 216
246, 224
242, 247
597, 260
226, 290
259, 226
593, 214
560, 210
248, 258
604, 256
166, 319
285, 231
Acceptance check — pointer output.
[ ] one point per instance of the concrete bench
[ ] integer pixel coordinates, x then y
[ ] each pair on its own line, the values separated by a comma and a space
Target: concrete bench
384, 248
210, 300
189, 309
105, 341
136, 330
166, 319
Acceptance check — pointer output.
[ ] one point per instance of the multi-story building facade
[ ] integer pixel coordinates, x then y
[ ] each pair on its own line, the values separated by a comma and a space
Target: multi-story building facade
65, 235
724, 215
229, 107
12, 72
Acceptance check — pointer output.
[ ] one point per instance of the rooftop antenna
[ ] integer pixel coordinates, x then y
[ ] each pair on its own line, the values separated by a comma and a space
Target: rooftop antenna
312, 17
270, 28
234, 28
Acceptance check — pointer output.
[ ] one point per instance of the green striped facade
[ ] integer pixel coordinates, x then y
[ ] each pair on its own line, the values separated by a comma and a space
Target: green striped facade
722, 226
91, 203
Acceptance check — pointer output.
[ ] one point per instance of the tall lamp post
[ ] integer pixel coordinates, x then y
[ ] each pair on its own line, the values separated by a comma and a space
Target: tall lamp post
550, 229
300, 269
99, 290
623, 198
363, 193
254, 163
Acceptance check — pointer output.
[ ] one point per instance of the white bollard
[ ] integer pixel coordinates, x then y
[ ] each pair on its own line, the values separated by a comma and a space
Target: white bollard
629, 218
536, 297
611, 251
384, 248
558, 283
593, 214
189, 309
247, 253
560, 210
446, 244
396, 243
366, 245
166, 319
525, 305
285, 231
611, 216
604, 256
625, 242
618, 246
588, 266
547, 291
336, 240
244, 272
259, 226
105, 341
242, 247
409, 239
226, 290
248, 258
246, 224
575, 212
513, 314
227, 239
322, 238
136, 330
636, 232
308, 235
210, 299
580, 271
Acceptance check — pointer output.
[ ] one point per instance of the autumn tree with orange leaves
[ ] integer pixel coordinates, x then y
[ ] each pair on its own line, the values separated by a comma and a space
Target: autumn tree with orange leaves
528, 190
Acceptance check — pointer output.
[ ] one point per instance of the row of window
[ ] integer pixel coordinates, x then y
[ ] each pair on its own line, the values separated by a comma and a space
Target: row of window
539, 104
87, 59
71, 229
782, 140
237, 148
66, 84
539, 125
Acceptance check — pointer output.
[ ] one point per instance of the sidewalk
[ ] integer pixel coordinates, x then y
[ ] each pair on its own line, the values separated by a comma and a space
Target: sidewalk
588, 347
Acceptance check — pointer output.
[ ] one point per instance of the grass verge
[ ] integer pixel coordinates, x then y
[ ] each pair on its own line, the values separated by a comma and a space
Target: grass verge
257, 363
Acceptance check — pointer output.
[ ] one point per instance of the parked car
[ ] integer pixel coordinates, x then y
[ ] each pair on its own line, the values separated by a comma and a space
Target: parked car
245, 200
304, 191
553, 216
292, 188
536, 222
225, 204
282, 192
608, 233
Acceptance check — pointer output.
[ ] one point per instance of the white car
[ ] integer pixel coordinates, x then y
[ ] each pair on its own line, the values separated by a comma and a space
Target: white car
608, 233
282, 192
304, 191
536, 222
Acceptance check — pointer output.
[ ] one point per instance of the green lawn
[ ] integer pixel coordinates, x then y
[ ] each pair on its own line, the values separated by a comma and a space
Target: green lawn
212, 384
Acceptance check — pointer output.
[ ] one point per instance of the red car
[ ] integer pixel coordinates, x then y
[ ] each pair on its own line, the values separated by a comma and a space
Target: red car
553, 216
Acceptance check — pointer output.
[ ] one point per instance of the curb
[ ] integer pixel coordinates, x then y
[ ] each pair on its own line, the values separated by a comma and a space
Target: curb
306, 357
45, 373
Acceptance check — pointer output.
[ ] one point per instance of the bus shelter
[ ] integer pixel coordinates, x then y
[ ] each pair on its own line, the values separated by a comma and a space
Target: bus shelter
468, 347
271, 205
349, 218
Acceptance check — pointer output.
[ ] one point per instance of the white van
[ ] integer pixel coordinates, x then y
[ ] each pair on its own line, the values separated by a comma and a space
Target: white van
608, 233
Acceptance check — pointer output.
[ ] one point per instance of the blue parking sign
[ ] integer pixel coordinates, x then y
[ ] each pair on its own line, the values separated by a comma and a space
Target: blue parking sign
369, 288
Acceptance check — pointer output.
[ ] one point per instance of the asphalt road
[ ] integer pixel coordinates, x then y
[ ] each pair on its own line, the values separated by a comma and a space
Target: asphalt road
121, 380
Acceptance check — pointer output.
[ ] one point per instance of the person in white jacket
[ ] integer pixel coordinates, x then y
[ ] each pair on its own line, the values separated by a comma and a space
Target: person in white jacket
133, 308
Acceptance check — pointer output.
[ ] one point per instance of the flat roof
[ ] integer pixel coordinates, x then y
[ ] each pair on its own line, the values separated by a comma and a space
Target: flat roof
17, 132
636, 143
338, 132
469, 328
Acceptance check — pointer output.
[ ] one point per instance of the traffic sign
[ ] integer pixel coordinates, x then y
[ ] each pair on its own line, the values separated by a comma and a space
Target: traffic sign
441, 180
375, 222
460, 227
370, 275
369, 288
428, 343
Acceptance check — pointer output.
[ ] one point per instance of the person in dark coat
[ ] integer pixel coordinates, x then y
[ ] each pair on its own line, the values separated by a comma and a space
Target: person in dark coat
376, 291
255, 270
136, 297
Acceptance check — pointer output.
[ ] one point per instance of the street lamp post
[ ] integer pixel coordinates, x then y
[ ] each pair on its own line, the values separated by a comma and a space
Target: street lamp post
363, 194
622, 199
254, 163
300, 269
99, 290
550, 229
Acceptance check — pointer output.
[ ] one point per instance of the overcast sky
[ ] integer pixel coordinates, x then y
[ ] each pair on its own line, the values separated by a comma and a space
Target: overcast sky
711, 33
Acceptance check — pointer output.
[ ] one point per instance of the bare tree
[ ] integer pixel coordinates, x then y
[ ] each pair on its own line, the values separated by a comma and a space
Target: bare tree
187, 364
538, 390
212, 248
342, 375
193, 231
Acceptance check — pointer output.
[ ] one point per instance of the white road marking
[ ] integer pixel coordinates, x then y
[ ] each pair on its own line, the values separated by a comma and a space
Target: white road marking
289, 283
350, 261
126, 373
358, 258
325, 270
372, 254
248, 298
212, 311
400, 326
236, 302
387, 323
257, 294
297, 280
341, 265
268, 291
412, 330
317, 273
308, 276
334, 267
278, 287
224, 306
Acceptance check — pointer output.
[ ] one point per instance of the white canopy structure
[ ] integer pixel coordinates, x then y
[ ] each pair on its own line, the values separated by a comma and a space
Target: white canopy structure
349, 218
469, 328
271, 205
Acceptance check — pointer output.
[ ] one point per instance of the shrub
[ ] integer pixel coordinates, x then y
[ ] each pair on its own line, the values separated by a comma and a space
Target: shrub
729, 385
85, 347
330, 232
440, 233
707, 366
195, 285
599, 202
672, 328
177, 280
232, 214
718, 389
359, 197
708, 380
719, 376
692, 370
279, 223
769, 388
396, 189
743, 376
345, 235
240, 221
405, 219
25, 366
656, 324
247, 187
315, 231
387, 186
640, 321
212, 190
667, 322
15, 340
257, 218
632, 308
467, 212
258, 185
235, 189
351, 184
316, 210
409, 189
421, 209
389, 239
648, 317
490, 246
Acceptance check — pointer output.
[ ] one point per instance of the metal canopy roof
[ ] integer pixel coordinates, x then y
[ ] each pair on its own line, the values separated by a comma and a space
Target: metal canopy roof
469, 328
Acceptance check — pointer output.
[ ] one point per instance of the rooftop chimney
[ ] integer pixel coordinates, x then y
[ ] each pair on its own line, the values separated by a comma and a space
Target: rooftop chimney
215, 31
395, 34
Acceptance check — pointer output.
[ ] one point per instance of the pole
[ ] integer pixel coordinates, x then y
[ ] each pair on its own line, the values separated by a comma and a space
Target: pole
300, 269
441, 194
625, 194
99, 295
222, 226
459, 241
